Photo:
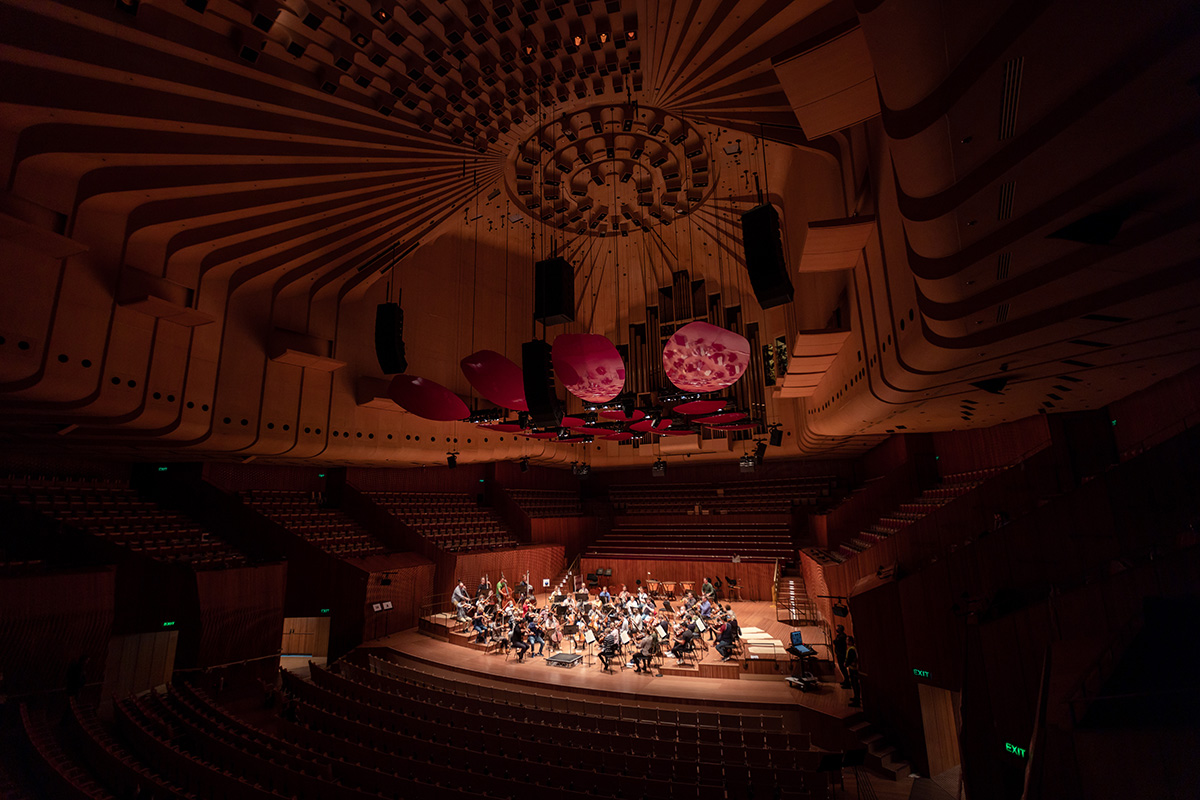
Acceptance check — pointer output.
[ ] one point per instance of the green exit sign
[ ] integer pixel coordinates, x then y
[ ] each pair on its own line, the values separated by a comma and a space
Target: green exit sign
324, 610
162, 469
1016, 751
921, 673
170, 624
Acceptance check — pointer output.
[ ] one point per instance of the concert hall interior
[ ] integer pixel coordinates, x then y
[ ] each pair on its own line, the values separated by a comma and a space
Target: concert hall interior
804, 392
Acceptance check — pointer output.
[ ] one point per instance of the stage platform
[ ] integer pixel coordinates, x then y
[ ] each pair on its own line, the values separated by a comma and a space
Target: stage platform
751, 685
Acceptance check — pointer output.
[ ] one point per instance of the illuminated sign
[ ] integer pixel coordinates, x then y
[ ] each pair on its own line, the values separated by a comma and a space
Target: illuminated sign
170, 624
162, 469
921, 673
324, 610
1016, 751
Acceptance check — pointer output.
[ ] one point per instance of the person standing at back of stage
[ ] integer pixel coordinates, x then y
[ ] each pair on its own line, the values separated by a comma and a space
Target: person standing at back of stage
852, 671
839, 654
460, 598
708, 591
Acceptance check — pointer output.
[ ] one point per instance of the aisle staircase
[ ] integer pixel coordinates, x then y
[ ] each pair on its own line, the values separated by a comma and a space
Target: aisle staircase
792, 603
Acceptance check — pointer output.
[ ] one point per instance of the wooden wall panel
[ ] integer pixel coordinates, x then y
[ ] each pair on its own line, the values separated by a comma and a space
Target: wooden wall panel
722, 472
1155, 414
243, 477
574, 534
755, 577
240, 611
49, 620
978, 448
941, 732
542, 561
464, 478
137, 662
508, 474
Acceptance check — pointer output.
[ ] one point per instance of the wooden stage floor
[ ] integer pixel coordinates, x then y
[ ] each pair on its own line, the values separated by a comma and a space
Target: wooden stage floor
748, 691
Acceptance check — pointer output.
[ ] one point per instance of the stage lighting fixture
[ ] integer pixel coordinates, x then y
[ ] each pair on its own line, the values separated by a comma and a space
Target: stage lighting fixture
776, 436
451, 460
746, 463
524, 464
659, 468
760, 451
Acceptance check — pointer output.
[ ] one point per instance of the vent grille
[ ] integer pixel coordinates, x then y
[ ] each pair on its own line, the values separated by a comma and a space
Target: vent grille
1003, 264
1007, 193
1002, 312
1012, 93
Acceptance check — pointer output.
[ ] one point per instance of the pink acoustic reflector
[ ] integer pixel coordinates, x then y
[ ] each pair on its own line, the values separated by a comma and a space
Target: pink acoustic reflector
646, 426
700, 407
541, 435
704, 358
426, 398
747, 426
620, 416
722, 419
619, 436
589, 366
496, 378
572, 422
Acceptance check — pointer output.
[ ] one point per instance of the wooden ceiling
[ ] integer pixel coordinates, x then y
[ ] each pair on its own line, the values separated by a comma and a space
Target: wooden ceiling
195, 187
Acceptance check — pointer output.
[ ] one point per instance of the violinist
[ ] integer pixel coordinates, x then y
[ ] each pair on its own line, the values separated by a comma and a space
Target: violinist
608, 648
535, 635
605, 597
517, 639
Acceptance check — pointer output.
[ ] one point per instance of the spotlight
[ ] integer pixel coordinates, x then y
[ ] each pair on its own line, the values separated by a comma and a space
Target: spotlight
746, 463
451, 460
631, 35
776, 436
658, 468
760, 451
524, 464
581, 470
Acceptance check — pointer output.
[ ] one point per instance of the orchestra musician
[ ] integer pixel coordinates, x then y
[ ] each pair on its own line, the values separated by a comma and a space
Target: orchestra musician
641, 658
485, 586
608, 649
535, 634
517, 639
461, 600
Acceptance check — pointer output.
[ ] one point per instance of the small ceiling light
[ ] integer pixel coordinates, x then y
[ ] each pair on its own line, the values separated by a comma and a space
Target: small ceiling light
382, 15
360, 39
631, 35
603, 38
578, 40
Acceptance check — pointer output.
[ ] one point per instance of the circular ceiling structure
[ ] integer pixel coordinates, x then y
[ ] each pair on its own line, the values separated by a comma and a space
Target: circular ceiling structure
611, 169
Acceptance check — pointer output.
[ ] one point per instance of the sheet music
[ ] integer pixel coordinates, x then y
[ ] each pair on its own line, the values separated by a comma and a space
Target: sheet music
662, 634
624, 637
700, 624
589, 637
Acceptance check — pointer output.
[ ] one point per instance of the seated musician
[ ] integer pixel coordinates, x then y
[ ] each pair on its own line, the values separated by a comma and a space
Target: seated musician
517, 638
726, 638
480, 625
645, 645
605, 597
689, 600
535, 635
608, 647
685, 634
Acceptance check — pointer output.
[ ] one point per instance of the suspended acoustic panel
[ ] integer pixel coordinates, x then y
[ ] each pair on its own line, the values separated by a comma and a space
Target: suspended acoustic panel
619, 436
722, 419
699, 407
704, 358
648, 426
589, 366
497, 378
426, 398
618, 415
503, 427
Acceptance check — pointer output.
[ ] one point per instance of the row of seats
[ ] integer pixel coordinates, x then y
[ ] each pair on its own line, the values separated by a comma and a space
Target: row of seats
772, 496
452, 521
579, 713
930, 500
303, 514
121, 516
581, 752
547, 502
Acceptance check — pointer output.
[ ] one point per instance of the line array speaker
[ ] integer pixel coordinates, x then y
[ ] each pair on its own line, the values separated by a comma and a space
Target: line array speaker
553, 291
389, 338
763, 245
537, 372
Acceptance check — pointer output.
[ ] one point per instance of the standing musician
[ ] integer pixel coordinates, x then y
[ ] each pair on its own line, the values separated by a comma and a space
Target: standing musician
708, 591
485, 586
502, 589
461, 600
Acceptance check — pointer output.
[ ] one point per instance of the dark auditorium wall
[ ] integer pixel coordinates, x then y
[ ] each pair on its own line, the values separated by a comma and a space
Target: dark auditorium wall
245, 477
999, 445
725, 472
241, 613
1155, 414
542, 561
756, 578
465, 479
508, 474
49, 619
